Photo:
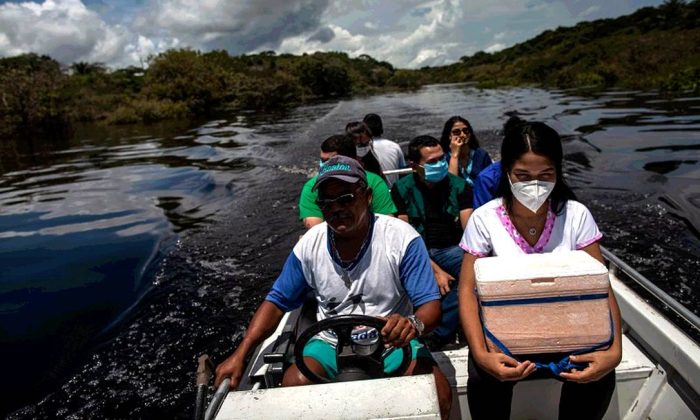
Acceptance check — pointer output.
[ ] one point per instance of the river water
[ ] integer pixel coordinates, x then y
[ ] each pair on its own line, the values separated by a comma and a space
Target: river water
126, 252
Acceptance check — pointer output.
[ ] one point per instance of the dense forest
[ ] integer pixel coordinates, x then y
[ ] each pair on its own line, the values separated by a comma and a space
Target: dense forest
653, 48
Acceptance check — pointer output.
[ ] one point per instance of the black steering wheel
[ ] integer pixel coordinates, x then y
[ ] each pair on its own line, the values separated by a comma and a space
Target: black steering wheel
359, 357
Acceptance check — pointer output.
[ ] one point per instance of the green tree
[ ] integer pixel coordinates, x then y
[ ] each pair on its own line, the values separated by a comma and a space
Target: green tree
31, 94
325, 78
184, 76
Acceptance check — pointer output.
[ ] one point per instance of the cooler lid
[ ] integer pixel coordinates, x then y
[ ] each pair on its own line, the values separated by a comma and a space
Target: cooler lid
531, 266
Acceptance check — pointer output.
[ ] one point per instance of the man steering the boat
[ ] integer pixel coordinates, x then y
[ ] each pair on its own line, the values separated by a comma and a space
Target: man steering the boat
356, 262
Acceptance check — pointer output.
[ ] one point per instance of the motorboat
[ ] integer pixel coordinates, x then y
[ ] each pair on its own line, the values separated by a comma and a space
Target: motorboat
658, 378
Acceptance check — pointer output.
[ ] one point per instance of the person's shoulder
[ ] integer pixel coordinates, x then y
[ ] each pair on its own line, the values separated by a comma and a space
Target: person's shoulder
457, 181
386, 144
312, 237
575, 205
574, 208
372, 177
490, 173
405, 181
479, 151
309, 183
395, 226
374, 180
487, 208
493, 168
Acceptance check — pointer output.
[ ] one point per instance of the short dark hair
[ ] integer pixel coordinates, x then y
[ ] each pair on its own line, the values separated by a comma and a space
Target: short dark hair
473, 142
357, 128
541, 139
374, 122
418, 143
341, 144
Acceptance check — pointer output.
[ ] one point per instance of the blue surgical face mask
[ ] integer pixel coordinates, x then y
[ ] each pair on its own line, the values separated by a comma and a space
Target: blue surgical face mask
435, 172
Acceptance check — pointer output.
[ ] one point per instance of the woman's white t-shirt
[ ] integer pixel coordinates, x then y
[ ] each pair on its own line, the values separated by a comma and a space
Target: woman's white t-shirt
490, 232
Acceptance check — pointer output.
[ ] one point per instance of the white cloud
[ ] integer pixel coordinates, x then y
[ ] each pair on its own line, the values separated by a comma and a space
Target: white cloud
236, 26
411, 33
64, 29
494, 48
591, 10
428, 43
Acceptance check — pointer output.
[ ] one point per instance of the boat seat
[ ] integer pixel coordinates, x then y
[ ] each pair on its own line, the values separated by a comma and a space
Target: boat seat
539, 398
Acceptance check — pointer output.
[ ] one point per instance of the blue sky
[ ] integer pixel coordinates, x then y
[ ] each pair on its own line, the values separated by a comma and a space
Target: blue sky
408, 33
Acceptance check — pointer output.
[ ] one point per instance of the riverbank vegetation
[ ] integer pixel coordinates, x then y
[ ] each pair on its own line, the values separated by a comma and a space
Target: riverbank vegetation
653, 48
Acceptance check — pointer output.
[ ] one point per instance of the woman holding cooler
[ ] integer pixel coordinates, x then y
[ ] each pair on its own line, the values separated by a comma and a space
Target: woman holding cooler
535, 213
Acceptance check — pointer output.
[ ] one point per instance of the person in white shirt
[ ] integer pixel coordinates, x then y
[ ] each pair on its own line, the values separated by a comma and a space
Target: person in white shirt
353, 263
535, 212
388, 151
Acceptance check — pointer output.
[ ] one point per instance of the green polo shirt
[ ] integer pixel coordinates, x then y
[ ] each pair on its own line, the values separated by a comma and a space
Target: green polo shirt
381, 198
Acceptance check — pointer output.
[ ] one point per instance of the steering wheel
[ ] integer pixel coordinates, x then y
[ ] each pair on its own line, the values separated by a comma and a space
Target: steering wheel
356, 360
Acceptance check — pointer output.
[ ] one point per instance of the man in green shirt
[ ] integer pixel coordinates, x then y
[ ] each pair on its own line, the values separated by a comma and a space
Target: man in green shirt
343, 145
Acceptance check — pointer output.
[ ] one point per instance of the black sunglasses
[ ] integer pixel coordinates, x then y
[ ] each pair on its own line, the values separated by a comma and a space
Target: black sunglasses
456, 131
343, 200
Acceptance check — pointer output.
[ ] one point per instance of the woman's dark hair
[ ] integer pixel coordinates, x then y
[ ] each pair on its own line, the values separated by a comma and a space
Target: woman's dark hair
473, 142
418, 143
357, 128
522, 137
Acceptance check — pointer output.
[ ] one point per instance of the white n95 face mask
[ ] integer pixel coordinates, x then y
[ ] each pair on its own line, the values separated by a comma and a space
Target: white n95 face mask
362, 151
531, 194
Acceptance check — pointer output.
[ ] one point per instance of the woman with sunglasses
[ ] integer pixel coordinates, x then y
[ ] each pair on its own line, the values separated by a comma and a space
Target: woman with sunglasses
464, 156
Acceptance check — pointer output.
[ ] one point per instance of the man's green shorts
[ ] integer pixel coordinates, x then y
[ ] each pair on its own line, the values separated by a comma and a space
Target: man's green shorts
324, 353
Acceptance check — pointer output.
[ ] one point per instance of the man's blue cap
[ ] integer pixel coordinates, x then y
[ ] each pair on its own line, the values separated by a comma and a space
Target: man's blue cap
342, 168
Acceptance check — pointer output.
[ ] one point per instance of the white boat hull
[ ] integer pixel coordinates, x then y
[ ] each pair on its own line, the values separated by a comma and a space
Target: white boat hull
658, 378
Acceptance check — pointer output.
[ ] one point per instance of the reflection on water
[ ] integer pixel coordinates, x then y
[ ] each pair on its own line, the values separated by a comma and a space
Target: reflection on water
172, 235
82, 234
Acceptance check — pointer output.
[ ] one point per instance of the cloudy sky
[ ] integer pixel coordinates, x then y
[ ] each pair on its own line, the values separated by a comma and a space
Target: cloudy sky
407, 33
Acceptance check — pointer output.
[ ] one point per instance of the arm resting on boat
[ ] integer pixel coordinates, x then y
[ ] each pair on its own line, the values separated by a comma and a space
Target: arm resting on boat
601, 362
498, 365
263, 324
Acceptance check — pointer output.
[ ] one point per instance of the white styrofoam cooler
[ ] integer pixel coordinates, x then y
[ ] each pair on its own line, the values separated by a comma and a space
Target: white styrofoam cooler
544, 303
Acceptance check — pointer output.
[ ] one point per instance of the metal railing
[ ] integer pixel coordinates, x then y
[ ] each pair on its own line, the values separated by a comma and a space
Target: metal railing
678, 308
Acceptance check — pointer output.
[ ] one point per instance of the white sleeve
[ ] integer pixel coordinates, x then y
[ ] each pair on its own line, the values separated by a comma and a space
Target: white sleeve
401, 160
476, 239
584, 227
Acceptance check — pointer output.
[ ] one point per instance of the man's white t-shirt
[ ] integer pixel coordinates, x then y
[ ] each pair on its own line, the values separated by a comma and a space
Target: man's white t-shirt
390, 157
391, 274
490, 232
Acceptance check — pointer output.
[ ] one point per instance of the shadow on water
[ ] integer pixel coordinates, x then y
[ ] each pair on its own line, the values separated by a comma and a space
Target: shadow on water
135, 249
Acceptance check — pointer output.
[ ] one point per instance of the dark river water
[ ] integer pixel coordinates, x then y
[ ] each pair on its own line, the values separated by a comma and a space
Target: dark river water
127, 252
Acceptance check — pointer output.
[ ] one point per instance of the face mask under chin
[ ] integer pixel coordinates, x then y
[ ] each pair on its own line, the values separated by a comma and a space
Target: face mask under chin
362, 151
531, 194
